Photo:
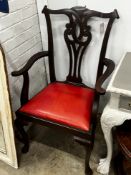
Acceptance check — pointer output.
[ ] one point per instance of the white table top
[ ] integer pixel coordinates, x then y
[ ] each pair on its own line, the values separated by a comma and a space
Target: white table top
121, 79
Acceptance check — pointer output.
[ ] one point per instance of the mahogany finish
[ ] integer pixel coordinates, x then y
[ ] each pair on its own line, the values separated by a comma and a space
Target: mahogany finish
77, 36
123, 159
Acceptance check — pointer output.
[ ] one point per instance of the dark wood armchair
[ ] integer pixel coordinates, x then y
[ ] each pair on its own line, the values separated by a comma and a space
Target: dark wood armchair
69, 105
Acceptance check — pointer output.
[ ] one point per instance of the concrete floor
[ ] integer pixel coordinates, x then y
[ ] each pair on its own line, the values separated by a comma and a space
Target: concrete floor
54, 153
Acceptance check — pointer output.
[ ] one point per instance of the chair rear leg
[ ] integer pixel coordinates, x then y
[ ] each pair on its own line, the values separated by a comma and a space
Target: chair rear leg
22, 135
88, 170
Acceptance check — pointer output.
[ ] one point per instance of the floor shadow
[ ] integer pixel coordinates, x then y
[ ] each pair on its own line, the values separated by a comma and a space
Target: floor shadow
56, 139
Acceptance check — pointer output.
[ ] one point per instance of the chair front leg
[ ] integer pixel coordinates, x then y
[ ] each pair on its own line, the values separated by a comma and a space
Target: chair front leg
22, 135
88, 147
88, 170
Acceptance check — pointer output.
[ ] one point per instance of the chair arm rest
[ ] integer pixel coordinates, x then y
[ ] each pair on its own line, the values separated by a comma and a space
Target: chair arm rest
24, 72
30, 62
110, 67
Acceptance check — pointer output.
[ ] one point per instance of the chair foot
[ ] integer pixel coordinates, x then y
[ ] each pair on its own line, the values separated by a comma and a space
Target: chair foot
22, 136
88, 170
25, 148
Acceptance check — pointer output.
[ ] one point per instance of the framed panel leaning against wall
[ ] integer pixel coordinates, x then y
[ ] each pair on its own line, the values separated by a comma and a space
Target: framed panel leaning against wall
7, 143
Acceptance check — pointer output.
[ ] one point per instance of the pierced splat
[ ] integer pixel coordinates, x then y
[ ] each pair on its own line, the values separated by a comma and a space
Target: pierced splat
77, 36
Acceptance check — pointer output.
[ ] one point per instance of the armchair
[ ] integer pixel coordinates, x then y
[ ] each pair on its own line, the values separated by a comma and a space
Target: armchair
69, 105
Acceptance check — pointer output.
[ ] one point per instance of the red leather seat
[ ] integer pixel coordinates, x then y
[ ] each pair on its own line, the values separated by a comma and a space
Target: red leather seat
64, 103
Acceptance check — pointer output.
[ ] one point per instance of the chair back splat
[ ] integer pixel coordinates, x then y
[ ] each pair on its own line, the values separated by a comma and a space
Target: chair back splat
77, 42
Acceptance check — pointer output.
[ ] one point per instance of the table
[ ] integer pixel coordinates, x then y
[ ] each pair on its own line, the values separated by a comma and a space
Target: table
118, 108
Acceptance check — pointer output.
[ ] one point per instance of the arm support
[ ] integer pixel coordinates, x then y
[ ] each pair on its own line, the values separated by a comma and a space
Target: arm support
24, 72
30, 62
110, 67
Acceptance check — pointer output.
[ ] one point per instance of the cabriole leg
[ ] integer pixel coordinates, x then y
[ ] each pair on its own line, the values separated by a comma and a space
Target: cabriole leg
22, 135
109, 119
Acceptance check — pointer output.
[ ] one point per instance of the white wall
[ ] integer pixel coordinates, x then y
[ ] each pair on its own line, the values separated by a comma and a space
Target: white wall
20, 38
121, 35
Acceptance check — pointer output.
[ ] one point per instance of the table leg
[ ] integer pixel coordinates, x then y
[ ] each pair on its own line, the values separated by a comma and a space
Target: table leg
104, 164
109, 119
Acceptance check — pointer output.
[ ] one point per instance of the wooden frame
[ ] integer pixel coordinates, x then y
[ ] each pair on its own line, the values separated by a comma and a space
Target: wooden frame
9, 156
122, 161
78, 17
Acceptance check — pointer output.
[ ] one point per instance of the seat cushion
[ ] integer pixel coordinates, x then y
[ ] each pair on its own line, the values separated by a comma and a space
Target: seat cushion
62, 103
